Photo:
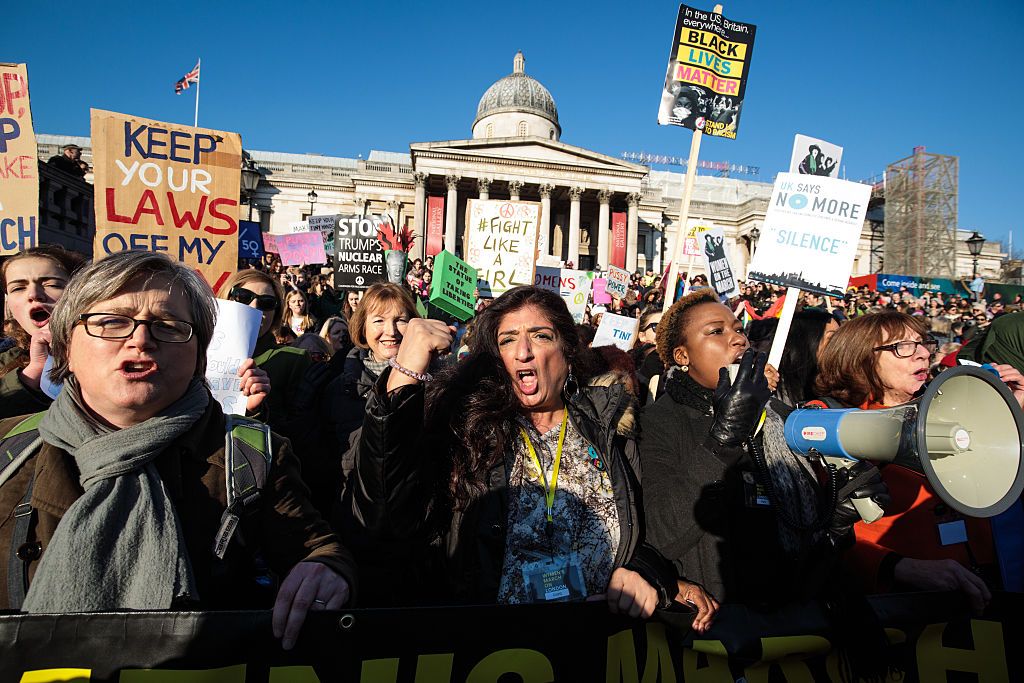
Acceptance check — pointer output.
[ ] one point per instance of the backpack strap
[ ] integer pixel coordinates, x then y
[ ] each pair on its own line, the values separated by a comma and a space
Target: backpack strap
16, 447
247, 457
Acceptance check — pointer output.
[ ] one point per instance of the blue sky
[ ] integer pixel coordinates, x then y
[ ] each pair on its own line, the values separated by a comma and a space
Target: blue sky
343, 78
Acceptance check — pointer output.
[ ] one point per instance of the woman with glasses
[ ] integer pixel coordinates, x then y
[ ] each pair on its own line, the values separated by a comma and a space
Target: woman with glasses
285, 365
126, 480
883, 360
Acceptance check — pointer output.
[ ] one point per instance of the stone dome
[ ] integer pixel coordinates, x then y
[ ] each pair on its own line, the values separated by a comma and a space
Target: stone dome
518, 92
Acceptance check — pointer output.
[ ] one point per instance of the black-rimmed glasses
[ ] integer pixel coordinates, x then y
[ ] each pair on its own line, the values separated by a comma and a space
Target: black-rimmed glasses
264, 302
116, 326
907, 348
650, 326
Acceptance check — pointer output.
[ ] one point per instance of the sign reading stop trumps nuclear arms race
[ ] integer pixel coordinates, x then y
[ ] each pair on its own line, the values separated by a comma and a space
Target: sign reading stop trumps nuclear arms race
19, 179
169, 188
358, 252
502, 243
707, 72
810, 233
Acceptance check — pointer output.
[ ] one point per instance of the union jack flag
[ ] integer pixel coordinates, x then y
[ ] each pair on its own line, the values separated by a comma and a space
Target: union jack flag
186, 80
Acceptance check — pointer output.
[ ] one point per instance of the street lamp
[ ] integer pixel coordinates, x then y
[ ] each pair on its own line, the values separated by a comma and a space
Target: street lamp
312, 200
250, 181
974, 244
755, 235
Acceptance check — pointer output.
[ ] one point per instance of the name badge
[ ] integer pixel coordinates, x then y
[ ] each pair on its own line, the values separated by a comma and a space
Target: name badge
554, 579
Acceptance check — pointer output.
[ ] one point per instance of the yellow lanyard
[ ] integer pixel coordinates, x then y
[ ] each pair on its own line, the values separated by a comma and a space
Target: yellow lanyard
549, 492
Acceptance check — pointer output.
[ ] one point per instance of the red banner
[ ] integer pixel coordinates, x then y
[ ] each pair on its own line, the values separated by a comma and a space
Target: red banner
618, 257
435, 225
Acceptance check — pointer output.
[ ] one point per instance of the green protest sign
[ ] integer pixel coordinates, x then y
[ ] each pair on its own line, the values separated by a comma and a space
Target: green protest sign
454, 285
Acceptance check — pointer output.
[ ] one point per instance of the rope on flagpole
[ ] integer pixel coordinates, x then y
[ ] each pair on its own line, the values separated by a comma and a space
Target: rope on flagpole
199, 79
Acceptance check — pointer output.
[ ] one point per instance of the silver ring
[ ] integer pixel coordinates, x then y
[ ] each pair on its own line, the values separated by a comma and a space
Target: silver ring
320, 602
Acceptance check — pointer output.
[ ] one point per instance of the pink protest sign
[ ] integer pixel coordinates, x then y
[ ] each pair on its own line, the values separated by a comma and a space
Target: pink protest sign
270, 243
601, 295
301, 248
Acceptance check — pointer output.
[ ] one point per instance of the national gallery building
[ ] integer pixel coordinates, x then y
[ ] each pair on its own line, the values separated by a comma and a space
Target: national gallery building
514, 152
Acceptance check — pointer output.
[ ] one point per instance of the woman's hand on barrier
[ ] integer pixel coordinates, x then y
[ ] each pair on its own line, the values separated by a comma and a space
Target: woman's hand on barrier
1013, 378
309, 585
944, 575
628, 593
38, 350
694, 595
422, 341
255, 384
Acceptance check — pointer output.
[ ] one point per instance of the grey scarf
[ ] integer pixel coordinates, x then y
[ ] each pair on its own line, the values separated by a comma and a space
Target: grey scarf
120, 545
793, 482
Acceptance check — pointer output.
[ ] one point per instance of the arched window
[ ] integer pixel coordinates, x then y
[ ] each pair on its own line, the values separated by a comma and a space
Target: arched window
490, 130
522, 129
551, 133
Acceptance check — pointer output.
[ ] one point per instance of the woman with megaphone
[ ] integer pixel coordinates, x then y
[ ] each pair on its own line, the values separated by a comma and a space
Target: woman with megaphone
882, 360
742, 518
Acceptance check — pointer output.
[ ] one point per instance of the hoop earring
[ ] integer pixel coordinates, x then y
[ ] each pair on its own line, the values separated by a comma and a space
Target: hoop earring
574, 392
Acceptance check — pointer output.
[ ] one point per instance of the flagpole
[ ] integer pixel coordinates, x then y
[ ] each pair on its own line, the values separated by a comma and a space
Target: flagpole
199, 80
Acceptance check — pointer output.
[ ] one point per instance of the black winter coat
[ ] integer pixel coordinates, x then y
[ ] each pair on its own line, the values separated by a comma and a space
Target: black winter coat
418, 554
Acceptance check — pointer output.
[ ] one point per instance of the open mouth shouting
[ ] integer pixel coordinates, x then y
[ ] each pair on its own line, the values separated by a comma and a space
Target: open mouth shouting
40, 315
526, 381
138, 369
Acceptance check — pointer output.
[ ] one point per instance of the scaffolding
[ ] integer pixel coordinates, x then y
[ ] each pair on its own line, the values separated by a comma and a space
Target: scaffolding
921, 215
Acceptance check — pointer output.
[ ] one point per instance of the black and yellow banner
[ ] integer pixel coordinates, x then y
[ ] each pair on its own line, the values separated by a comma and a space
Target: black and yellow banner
532, 644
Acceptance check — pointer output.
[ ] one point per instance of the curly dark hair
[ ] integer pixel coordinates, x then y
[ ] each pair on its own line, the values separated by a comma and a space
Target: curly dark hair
670, 329
472, 405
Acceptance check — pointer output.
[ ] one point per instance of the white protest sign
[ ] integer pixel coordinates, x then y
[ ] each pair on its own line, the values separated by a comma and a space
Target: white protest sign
618, 282
325, 225
502, 243
234, 339
815, 157
720, 274
574, 287
616, 330
810, 233
298, 226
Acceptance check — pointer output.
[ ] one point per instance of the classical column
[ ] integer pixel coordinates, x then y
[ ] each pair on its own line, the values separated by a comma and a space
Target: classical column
632, 229
574, 225
484, 185
603, 233
514, 188
451, 206
659, 235
419, 224
395, 212
544, 238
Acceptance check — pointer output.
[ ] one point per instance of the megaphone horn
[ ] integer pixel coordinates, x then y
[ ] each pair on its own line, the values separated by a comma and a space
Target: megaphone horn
964, 434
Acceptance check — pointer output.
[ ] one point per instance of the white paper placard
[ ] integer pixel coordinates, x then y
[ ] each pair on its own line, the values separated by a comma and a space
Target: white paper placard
618, 282
720, 273
234, 339
616, 330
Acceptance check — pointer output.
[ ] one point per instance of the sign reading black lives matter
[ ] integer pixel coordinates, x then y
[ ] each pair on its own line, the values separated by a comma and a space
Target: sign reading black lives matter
810, 233
358, 253
707, 73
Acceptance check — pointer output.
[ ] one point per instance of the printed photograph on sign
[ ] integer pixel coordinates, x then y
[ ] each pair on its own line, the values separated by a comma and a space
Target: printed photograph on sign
810, 233
720, 273
19, 191
359, 259
502, 243
815, 157
166, 187
707, 71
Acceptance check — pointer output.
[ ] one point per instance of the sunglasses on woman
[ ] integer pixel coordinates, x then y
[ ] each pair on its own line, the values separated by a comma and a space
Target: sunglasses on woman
264, 302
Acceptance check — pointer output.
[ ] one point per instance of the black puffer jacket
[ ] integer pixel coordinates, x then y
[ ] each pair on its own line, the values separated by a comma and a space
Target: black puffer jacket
419, 554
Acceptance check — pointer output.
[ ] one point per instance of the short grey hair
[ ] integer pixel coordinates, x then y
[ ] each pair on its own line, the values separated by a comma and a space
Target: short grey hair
106, 278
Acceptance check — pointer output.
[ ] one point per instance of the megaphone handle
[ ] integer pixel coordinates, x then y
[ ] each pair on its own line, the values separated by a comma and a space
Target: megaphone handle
869, 510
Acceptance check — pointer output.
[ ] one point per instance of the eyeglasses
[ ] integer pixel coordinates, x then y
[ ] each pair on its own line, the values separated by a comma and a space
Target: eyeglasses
264, 302
114, 326
650, 326
907, 348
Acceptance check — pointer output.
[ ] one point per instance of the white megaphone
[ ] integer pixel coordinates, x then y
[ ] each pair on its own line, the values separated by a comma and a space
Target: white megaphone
964, 434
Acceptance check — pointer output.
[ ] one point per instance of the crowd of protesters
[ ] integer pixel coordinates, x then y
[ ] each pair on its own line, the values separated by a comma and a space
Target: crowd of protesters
417, 461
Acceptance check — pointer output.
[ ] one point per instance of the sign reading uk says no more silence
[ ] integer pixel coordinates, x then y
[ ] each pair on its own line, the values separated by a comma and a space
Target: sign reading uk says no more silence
168, 188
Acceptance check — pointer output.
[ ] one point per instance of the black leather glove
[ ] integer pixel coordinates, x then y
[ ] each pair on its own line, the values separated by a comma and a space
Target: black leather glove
738, 407
863, 480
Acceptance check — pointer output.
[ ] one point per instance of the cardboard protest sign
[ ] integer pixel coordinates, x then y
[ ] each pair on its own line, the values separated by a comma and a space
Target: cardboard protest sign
616, 330
234, 339
358, 252
574, 287
618, 282
19, 177
815, 157
297, 226
170, 188
810, 233
453, 287
693, 246
720, 275
301, 249
502, 243
250, 240
270, 243
325, 225
600, 293
707, 72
